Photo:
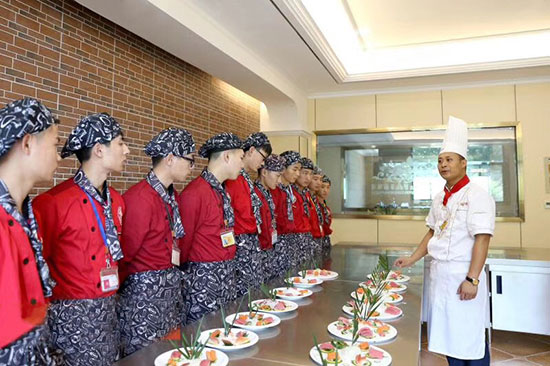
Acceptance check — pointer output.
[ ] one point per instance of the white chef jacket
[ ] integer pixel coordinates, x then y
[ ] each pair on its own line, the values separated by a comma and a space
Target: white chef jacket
455, 327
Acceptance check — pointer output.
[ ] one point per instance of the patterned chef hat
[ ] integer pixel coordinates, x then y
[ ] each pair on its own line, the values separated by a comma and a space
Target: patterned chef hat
175, 141
307, 163
256, 139
274, 163
291, 157
317, 170
99, 127
326, 179
221, 142
21, 117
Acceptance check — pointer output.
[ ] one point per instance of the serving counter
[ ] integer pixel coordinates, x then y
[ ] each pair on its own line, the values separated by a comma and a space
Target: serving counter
290, 342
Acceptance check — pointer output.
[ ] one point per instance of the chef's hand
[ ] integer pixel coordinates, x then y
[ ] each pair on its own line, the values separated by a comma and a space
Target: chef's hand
467, 290
403, 262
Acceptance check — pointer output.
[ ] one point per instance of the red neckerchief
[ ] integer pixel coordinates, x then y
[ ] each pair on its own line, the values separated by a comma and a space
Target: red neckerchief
457, 187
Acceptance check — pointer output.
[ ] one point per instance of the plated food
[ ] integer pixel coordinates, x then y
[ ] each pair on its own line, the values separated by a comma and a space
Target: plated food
396, 276
274, 306
359, 354
322, 274
390, 286
384, 312
208, 357
389, 297
307, 282
372, 331
253, 320
291, 293
236, 339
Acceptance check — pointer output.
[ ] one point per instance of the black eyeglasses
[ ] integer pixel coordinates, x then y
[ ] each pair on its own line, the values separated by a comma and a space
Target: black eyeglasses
190, 160
263, 156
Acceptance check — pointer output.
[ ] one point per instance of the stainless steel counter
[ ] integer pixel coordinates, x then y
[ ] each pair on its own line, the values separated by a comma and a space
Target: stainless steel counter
290, 342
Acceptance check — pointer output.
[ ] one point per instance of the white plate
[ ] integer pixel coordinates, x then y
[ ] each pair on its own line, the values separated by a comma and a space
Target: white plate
290, 306
396, 276
389, 297
291, 293
306, 282
251, 335
222, 360
383, 315
348, 355
347, 333
310, 273
253, 326
391, 286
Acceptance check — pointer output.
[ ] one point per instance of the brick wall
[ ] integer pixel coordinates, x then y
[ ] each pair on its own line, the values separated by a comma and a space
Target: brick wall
79, 63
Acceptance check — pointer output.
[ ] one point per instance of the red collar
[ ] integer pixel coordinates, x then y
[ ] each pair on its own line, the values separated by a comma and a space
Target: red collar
457, 187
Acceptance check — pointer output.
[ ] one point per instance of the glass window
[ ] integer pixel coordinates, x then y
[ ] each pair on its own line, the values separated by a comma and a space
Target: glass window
395, 173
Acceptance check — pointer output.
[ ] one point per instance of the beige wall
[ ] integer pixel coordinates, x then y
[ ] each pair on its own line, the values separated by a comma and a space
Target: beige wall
527, 103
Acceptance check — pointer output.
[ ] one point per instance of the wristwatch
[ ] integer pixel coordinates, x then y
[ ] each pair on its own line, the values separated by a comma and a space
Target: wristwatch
474, 281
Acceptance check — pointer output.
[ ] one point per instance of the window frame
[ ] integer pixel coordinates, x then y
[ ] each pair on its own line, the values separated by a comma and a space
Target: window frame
353, 214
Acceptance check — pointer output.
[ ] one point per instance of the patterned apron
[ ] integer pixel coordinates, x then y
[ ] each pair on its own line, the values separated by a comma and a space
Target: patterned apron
248, 263
149, 307
207, 286
85, 331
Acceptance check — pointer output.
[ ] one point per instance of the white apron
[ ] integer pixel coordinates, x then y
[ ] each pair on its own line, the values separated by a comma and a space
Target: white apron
456, 327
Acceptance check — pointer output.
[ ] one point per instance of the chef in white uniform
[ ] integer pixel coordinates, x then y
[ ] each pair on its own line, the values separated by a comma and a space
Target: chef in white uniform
461, 223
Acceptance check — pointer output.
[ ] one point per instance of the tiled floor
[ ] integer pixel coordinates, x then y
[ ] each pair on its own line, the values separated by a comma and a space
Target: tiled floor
507, 349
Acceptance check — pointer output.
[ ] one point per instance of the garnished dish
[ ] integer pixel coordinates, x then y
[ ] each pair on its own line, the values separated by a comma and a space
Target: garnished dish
208, 357
373, 331
346, 354
396, 276
274, 306
253, 320
389, 297
305, 282
384, 312
390, 286
234, 339
322, 274
291, 293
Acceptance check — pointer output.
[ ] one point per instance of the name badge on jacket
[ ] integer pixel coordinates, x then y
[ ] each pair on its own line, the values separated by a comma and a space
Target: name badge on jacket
109, 279
228, 239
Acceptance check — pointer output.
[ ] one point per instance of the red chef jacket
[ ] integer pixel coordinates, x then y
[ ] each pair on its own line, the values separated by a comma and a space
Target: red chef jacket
245, 222
284, 225
201, 209
23, 306
73, 246
316, 229
267, 227
300, 218
146, 236
326, 227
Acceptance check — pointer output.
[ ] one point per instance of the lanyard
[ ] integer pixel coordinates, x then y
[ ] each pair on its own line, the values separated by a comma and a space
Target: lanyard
101, 228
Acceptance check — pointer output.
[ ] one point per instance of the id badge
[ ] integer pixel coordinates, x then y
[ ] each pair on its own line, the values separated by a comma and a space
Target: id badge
175, 256
228, 239
321, 229
273, 236
109, 279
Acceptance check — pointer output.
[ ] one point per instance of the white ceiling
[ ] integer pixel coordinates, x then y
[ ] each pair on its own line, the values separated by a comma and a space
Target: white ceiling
391, 23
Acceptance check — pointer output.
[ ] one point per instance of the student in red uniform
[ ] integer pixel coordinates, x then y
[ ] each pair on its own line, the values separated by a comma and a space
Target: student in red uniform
285, 201
208, 247
28, 155
316, 216
268, 177
82, 220
248, 220
302, 213
151, 299
327, 216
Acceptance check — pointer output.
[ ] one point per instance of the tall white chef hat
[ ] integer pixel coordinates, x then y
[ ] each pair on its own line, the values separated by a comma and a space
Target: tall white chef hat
456, 138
